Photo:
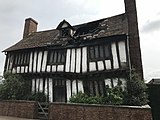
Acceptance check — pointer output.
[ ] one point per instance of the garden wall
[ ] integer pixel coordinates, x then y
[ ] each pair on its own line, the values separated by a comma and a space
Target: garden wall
62, 111
23, 109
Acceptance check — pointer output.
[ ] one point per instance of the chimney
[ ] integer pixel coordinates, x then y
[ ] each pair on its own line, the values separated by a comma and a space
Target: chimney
30, 26
133, 36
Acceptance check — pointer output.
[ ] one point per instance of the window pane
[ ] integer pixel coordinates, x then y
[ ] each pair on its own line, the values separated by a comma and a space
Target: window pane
55, 57
25, 58
59, 56
51, 57
91, 49
63, 58
28, 56
65, 32
106, 48
96, 52
21, 58
16, 59
101, 51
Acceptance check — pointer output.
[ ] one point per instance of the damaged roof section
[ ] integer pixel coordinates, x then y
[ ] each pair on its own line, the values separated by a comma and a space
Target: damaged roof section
116, 25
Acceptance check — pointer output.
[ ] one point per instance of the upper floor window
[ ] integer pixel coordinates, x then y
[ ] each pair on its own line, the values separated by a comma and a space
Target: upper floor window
65, 29
56, 57
65, 32
21, 58
99, 52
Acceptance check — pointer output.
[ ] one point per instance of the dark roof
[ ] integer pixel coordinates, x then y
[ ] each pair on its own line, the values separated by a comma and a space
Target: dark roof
116, 25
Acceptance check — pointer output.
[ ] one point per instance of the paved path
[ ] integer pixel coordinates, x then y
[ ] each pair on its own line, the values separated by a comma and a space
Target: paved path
13, 118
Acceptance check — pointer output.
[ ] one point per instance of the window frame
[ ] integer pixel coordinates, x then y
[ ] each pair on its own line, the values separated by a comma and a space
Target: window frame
96, 54
21, 59
59, 59
65, 32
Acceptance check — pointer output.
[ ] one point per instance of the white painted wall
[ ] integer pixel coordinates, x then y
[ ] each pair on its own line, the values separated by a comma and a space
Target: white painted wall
114, 54
74, 89
53, 68
92, 66
60, 68
46, 86
48, 68
33, 85
68, 88
35, 61
39, 61
100, 65
30, 62
18, 69
78, 60
37, 84
108, 64
84, 59
44, 62
26, 69
73, 60
122, 51
68, 60
108, 82
50, 90
80, 86
41, 85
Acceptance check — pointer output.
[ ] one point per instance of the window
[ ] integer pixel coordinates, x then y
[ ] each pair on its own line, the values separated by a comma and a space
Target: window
99, 52
65, 32
94, 87
21, 58
56, 57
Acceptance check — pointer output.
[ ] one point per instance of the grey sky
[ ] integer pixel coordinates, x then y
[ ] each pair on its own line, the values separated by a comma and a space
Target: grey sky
151, 26
50, 13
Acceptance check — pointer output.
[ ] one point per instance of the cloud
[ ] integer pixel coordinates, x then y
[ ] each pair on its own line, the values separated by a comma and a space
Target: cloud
153, 75
151, 26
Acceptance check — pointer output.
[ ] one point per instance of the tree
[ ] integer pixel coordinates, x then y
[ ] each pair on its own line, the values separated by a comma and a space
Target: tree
135, 93
13, 87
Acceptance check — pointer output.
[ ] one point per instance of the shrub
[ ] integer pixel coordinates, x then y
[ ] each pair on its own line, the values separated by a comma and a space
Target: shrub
135, 93
84, 98
39, 96
114, 95
13, 87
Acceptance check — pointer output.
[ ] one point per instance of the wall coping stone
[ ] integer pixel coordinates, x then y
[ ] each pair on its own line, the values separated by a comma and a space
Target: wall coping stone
100, 105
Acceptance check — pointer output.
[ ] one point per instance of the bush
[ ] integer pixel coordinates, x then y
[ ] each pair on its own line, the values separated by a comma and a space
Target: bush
78, 98
84, 98
113, 97
135, 93
39, 96
13, 87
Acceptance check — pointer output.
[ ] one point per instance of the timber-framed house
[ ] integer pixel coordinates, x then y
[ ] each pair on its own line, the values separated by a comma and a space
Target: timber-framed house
85, 57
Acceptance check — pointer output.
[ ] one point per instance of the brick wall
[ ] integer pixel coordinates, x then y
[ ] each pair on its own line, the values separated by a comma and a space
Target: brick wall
62, 111
23, 109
